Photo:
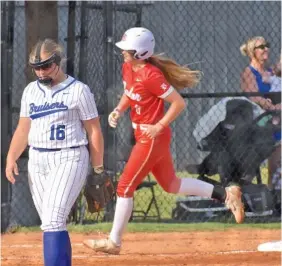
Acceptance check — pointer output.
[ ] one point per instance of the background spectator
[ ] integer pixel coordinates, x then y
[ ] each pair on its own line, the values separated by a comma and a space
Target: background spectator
257, 49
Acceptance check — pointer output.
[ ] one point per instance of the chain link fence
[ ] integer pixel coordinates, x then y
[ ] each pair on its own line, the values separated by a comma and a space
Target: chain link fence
203, 35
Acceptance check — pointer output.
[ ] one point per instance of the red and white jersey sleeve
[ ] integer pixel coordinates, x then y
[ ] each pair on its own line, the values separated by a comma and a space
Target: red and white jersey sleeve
157, 84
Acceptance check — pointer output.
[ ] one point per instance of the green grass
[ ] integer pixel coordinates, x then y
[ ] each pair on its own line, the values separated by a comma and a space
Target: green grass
166, 202
158, 227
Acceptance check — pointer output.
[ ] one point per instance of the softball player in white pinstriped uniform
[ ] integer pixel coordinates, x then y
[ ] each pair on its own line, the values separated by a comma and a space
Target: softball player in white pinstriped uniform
58, 112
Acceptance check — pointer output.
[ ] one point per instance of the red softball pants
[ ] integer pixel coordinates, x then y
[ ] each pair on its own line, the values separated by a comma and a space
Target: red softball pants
148, 155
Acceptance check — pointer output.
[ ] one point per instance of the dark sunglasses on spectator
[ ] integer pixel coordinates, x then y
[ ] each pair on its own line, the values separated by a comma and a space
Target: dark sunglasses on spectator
263, 46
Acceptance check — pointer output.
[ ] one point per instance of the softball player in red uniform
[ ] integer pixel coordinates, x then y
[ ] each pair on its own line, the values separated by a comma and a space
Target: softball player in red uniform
149, 81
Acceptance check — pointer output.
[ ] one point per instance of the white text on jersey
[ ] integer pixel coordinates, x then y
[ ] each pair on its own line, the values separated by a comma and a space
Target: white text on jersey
133, 96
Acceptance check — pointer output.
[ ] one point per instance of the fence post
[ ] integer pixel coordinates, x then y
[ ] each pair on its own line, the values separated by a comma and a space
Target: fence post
41, 23
109, 72
109, 69
7, 21
83, 46
71, 38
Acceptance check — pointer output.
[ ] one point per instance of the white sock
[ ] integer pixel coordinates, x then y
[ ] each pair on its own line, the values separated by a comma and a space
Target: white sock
195, 187
123, 212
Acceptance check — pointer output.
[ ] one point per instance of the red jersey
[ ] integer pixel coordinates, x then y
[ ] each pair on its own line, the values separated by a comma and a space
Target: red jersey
146, 90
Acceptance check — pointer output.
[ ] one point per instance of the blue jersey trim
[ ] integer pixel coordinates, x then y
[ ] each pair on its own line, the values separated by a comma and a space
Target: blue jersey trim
41, 88
63, 88
35, 116
55, 149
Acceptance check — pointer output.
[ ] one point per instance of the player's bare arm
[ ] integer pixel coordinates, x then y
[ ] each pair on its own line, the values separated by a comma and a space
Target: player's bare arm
18, 145
122, 106
96, 141
177, 105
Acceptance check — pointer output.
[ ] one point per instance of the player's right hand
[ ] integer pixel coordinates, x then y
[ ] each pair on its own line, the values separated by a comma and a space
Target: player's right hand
113, 118
11, 169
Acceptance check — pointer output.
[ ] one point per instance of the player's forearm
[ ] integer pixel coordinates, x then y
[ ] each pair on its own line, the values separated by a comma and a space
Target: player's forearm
96, 148
18, 145
172, 113
123, 103
95, 140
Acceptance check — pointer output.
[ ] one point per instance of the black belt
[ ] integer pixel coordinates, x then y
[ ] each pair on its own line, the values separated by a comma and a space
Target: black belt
57, 149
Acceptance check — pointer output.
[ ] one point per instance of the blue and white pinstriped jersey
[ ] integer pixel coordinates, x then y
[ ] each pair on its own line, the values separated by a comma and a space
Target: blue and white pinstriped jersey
56, 114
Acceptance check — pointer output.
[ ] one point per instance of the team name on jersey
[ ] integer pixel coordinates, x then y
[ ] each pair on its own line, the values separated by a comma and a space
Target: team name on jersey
134, 96
37, 111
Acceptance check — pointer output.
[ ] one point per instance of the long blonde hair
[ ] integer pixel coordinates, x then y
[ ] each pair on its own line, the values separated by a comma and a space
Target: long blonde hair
49, 47
178, 76
248, 48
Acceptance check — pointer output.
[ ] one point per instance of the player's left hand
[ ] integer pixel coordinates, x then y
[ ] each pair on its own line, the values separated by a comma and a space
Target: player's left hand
153, 130
11, 169
99, 190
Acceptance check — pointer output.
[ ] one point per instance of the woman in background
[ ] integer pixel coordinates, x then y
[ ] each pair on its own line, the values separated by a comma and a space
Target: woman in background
252, 80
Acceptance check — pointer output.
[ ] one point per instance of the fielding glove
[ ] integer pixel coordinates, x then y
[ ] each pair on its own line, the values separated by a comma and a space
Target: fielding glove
99, 190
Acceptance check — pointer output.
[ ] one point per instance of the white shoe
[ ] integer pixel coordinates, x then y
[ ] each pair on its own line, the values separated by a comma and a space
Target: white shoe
234, 202
103, 245
271, 246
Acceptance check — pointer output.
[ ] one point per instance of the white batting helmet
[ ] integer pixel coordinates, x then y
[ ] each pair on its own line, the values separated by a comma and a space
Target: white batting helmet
140, 40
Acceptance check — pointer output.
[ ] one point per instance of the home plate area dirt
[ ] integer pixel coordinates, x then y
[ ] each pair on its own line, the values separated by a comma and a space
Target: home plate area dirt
229, 247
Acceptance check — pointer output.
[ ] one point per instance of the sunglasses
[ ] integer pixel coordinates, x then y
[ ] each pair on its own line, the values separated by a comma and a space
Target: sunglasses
43, 67
263, 46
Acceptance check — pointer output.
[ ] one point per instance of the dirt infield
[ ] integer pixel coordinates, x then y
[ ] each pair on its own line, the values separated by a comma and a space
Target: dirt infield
230, 247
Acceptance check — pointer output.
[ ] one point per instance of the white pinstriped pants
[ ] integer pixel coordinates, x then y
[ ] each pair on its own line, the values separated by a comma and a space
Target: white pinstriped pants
55, 180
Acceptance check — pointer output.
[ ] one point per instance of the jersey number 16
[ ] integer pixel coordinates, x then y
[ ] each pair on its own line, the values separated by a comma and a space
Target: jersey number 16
57, 132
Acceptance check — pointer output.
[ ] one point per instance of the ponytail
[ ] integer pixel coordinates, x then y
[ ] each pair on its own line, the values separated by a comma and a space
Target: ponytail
178, 76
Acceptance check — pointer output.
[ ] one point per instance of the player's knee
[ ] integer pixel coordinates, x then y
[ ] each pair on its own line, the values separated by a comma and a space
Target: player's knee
172, 187
125, 191
48, 225
54, 221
